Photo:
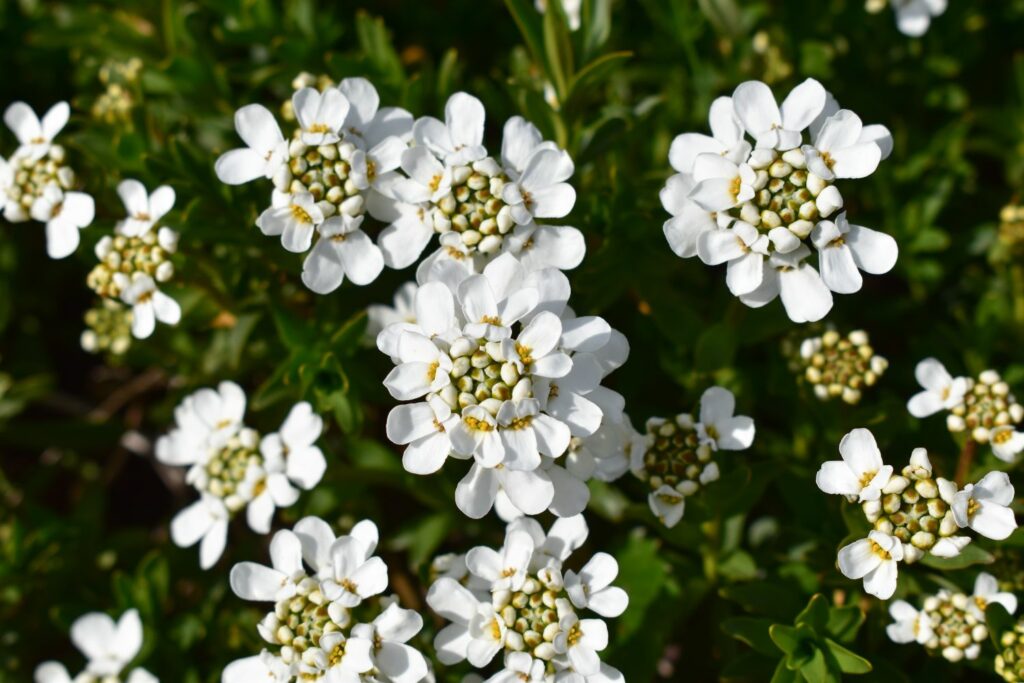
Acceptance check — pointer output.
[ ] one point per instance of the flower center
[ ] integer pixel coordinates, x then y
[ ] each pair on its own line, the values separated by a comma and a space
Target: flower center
481, 376
675, 457
226, 469
297, 624
953, 624
987, 405
323, 172
531, 616
31, 177
912, 511
473, 207
128, 256
784, 194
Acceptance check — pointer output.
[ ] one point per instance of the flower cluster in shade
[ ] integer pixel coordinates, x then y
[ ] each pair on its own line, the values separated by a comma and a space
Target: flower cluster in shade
109, 647
984, 408
950, 623
353, 169
135, 261
330, 621
763, 206
36, 183
500, 372
233, 469
913, 17
912, 513
839, 366
679, 456
521, 603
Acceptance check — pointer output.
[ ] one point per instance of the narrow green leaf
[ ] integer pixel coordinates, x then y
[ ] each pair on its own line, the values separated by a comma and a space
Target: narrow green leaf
999, 622
844, 622
849, 662
815, 615
753, 632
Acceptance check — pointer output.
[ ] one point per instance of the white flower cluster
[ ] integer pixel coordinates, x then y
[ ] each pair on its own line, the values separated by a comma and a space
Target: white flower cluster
519, 601
913, 17
108, 647
951, 624
36, 182
678, 455
349, 158
137, 257
232, 468
310, 633
501, 371
984, 408
763, 208
912, 513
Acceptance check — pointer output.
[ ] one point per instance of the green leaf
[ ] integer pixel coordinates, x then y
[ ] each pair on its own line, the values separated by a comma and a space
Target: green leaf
971, 555
591, 75
849, 662
376, 43
999, 622
753, 632
787, 638
815, 669
815, 615
596, 22
529, 23
784, 674
642, 575
558, 49
844, 622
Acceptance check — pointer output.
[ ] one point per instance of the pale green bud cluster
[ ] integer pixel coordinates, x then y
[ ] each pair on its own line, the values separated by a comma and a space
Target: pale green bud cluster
482, 376
324, 172
988, 404
227, 469
676, 457
1010, 660
840, 367
32, 177
957, 632
474, 208
109, 328
912, 509
297, 624
532, 614
116, 102
129, 256
784, 193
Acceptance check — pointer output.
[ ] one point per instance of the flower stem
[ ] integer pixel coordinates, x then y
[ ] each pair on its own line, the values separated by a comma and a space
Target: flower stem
963, 463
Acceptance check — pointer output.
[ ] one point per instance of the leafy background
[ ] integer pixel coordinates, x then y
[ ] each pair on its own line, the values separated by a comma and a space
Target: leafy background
84, 511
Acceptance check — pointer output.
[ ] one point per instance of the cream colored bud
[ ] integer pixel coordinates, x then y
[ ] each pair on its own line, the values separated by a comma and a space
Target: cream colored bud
955, 423
801, 228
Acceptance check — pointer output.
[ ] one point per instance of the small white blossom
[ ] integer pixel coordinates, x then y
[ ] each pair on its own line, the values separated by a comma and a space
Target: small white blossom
144, 209
860, 475
108, 647
941, 390
34, 136
873, 559
265, 152
984, 507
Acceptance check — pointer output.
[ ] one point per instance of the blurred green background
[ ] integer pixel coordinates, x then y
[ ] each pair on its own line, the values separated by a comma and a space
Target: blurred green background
84, 512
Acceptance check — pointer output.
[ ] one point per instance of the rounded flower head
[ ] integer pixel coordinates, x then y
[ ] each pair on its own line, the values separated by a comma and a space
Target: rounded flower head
760, 208
839, 366
108, 647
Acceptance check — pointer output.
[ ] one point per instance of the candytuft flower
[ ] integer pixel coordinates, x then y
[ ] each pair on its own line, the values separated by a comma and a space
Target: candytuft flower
108, 647
233, 469
984, 507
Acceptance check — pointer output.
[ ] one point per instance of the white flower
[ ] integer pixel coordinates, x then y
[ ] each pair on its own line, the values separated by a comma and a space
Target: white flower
839, 150
149, 305
389, 633
144, 209
910, 625
986, 591
258, 583
874, 559
984, 507
581, 640
720, 183
530, 492
262, 667
265, 152
592, 588
541, 191
508, 569
913, 17
356, 575
206, 522
845, 248
941, 390
761, 116
294, 217
342, 250
860, 475
459, 139
1007, 443
726, 140
108, 647
65, 214
804, 294
403, 309
476, 633
35, 136
367, 123
320, 116
743, 248
337, 659
719, 426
